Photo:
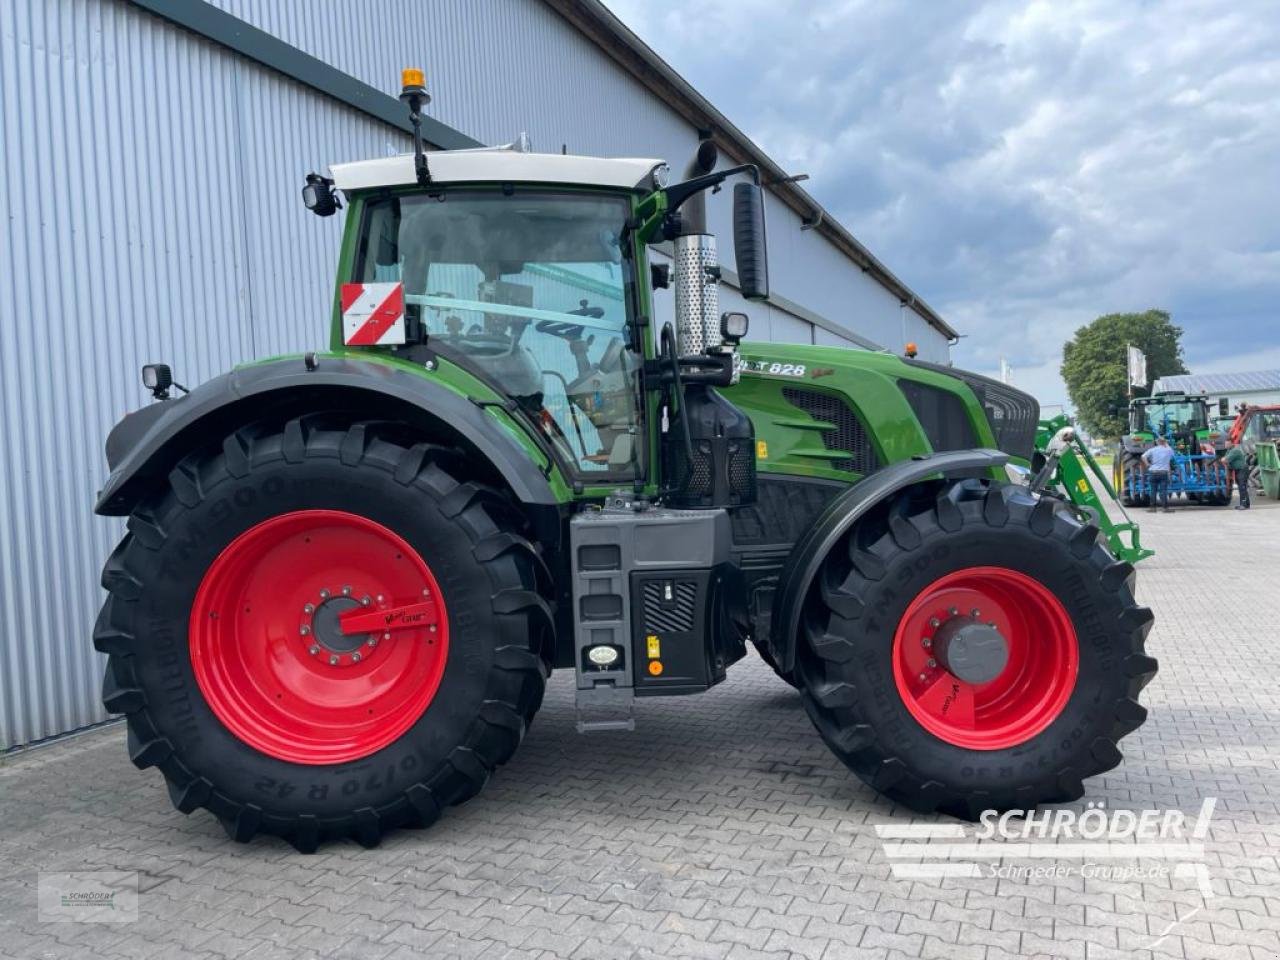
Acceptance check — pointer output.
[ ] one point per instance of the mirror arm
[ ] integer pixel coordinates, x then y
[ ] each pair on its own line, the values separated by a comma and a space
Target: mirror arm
678, 193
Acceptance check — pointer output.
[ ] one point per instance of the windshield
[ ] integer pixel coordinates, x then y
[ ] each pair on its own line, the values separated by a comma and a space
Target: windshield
530, 291
1265, 426
1167, 419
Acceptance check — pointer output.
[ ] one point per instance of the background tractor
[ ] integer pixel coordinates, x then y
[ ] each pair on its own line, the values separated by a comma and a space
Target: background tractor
1183, 420
1253, 425
347, 575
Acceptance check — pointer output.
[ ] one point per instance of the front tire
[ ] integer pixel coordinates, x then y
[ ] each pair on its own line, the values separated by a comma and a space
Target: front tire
228, 658
976, 561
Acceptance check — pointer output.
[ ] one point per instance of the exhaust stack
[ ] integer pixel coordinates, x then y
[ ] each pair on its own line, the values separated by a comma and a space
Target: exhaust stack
697, 266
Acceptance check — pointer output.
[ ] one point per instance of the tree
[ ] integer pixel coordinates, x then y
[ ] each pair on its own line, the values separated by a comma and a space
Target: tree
1095, 368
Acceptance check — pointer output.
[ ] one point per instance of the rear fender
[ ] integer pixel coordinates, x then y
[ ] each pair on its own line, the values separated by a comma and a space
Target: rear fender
144, 447
839, 518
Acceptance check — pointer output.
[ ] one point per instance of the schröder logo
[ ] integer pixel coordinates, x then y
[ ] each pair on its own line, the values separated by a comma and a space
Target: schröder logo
99, 896
1052, 844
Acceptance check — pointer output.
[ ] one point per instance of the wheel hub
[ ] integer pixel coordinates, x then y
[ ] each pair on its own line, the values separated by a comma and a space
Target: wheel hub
971, 650
326, 630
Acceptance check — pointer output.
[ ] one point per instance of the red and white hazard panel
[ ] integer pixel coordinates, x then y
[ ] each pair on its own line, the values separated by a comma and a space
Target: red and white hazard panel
372, 314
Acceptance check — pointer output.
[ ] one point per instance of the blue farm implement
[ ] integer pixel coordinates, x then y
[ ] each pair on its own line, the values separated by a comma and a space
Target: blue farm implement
1199, 477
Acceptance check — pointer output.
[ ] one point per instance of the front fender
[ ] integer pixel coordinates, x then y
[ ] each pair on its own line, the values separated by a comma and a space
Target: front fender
146, 445
840, 516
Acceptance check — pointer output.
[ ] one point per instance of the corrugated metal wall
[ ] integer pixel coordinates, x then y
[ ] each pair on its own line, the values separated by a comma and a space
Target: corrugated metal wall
151, 212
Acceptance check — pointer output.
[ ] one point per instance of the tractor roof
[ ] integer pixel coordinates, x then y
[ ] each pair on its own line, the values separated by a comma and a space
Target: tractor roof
498, 165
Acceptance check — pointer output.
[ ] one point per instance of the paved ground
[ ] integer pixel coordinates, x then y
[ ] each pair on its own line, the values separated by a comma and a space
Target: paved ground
720, 829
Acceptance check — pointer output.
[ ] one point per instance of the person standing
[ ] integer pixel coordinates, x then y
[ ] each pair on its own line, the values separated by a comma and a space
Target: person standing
1238, 464
1158, 461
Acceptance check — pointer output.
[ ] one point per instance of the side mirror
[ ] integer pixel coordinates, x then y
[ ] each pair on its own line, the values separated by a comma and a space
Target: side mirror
1224, 406
749, 245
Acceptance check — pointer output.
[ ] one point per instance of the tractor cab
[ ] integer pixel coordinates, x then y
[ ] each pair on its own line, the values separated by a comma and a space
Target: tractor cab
529, 272
525, 288
1181, 419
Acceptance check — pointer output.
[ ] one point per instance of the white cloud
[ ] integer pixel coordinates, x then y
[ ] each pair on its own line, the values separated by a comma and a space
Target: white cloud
1025, 166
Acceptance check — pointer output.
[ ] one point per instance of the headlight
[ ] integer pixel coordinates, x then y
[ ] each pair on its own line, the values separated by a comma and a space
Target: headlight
603, 655
661, 176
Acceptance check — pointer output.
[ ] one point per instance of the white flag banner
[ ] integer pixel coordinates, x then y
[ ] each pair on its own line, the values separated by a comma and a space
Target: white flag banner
1137, 367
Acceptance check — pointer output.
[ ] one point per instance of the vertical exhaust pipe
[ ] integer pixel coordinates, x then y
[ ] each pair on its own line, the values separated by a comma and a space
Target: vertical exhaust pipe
697, 267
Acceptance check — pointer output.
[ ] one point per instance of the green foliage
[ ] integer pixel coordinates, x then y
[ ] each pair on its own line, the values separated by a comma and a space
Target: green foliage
1094, 365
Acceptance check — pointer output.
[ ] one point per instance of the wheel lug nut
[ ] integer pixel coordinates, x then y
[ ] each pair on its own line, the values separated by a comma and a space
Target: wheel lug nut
324, 594
304, 630
386, 636
355, 658
953, 611
932, 662
313, 650
365, 601
333, 660
346, 591
926, 643
975, 613
380, 598
935, 622
308, 608
432, 628
372, 641
924, 677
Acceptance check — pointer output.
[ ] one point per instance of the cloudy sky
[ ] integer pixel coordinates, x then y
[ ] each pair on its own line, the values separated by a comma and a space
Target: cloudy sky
1023, 166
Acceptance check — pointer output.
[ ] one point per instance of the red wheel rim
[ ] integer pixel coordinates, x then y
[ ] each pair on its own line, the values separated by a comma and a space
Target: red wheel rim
273, 659
1025, 696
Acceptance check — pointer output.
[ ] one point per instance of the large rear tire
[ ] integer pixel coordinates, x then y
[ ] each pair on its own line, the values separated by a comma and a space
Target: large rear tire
227, 653
976, 564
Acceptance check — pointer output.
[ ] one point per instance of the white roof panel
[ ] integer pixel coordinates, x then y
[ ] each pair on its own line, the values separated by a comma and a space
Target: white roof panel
1252, 380
496, 164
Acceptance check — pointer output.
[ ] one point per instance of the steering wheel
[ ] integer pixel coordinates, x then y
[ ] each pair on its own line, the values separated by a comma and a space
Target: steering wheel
559, 328
480, 344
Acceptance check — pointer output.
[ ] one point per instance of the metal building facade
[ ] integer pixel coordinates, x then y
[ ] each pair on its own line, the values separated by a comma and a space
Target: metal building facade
151, 212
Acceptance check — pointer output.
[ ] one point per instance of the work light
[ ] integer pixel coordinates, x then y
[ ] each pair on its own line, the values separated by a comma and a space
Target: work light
318, 195
158, 378
733, 326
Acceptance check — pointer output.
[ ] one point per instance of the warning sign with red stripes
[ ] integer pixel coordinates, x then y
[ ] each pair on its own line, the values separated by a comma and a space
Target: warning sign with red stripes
372, 314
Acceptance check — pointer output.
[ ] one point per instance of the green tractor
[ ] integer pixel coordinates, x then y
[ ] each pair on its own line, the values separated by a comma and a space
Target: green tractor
348, 575
1198, 443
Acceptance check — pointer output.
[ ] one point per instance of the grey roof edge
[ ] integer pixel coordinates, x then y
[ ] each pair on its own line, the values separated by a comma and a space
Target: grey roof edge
602, 27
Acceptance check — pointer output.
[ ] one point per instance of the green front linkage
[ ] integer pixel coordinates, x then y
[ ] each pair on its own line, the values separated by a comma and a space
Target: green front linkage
1069, 466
